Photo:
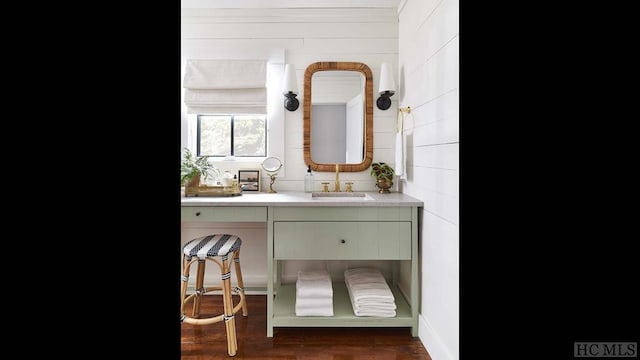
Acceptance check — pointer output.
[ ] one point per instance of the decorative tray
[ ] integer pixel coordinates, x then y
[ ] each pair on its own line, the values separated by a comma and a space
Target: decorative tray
212, 190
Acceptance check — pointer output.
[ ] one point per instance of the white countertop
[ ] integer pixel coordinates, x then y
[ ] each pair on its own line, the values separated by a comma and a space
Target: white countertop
291, 198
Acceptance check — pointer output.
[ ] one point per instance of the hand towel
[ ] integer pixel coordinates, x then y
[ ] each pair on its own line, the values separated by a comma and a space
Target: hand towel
401, 150
311, 310
314, 311
314, 275
316, 302
314, 307
379, 313
371, 295
400, 156
365, 279
362, 271
314, 288
383, 307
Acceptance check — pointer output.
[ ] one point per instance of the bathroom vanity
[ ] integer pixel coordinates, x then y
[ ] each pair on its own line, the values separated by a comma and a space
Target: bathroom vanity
305, 227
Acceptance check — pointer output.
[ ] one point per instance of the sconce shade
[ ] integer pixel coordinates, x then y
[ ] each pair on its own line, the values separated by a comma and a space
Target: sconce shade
290, 89
386, 80
290, 81
387, 87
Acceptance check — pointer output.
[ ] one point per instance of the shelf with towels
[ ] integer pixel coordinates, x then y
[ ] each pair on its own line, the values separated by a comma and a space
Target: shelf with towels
284, 311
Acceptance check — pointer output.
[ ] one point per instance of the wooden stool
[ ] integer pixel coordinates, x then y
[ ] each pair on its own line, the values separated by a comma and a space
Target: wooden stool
209, 248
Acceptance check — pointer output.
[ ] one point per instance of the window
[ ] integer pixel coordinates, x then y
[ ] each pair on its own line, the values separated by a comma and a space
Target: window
232, 135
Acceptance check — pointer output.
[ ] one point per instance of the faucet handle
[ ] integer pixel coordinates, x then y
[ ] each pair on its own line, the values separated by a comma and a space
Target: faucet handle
325, 187
349, 188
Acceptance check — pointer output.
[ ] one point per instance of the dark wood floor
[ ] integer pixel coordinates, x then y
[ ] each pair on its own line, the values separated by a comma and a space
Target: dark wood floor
209, 341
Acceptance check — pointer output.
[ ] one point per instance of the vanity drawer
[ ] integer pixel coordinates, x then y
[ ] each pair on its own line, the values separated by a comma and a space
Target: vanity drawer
224, 213
350, 240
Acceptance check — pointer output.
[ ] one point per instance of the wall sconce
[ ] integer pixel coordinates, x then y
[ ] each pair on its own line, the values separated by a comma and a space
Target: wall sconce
290, 88
387, 87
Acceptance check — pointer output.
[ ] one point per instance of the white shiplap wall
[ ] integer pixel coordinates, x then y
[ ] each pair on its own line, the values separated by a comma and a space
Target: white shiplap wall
304, 36
428, 46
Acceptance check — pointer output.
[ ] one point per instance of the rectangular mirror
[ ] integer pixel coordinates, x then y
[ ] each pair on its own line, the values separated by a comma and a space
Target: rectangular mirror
338, 116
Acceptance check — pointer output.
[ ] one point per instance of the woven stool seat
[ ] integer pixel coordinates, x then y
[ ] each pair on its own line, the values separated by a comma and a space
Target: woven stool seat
212, 245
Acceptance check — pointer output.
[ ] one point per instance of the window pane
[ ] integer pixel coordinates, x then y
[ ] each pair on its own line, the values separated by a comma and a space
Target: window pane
249, 135
215, 135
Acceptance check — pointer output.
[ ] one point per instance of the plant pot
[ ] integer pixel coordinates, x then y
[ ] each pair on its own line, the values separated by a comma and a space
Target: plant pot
384, 185
193, 182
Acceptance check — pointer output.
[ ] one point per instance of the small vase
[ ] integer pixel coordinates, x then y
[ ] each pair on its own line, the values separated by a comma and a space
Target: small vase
193, 182
384, 185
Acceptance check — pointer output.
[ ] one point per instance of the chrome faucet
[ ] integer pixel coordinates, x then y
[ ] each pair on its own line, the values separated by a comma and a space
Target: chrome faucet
337, 185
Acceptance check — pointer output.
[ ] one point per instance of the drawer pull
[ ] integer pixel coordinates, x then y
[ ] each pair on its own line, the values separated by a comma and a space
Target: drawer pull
198, 213
342, 241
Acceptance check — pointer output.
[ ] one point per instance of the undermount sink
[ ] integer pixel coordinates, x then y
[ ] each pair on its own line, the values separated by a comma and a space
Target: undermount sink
341, 196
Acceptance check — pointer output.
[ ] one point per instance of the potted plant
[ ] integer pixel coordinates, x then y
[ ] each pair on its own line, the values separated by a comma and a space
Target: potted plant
193, 168
384, 176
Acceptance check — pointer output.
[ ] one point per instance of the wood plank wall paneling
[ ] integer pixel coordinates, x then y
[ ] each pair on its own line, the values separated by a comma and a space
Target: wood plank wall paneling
428, 46
336, 15
275, 30
367, 35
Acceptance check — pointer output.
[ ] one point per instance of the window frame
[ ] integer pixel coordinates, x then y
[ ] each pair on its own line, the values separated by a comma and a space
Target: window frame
232, 136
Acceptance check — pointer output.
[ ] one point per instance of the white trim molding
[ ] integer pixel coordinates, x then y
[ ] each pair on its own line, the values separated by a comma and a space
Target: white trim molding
431, 341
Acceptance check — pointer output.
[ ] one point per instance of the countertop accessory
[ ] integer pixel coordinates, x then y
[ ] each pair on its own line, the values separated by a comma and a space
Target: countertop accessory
384, 176
212, 190
272, 166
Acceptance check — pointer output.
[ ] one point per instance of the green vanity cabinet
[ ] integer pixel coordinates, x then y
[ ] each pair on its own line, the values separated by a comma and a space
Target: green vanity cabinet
383, 228
341, 233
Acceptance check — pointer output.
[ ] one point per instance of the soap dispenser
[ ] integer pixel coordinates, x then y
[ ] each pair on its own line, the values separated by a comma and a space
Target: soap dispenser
235, 185
308, 180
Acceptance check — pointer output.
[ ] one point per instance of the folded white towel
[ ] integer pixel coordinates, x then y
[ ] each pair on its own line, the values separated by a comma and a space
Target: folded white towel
314, 294
314, 288
325, 309
362, 271
365, 293
369, 293
365, 277
375, 306
314, 275
314, 311
314, 302
380, 313
370, 282
371, 310
373, 302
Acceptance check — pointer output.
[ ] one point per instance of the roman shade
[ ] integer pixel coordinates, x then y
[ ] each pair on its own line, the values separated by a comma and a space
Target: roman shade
225, 86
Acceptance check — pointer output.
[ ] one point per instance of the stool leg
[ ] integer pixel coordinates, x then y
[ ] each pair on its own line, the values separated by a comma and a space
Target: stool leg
229, 320
185, 279
240, 281
199, 288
